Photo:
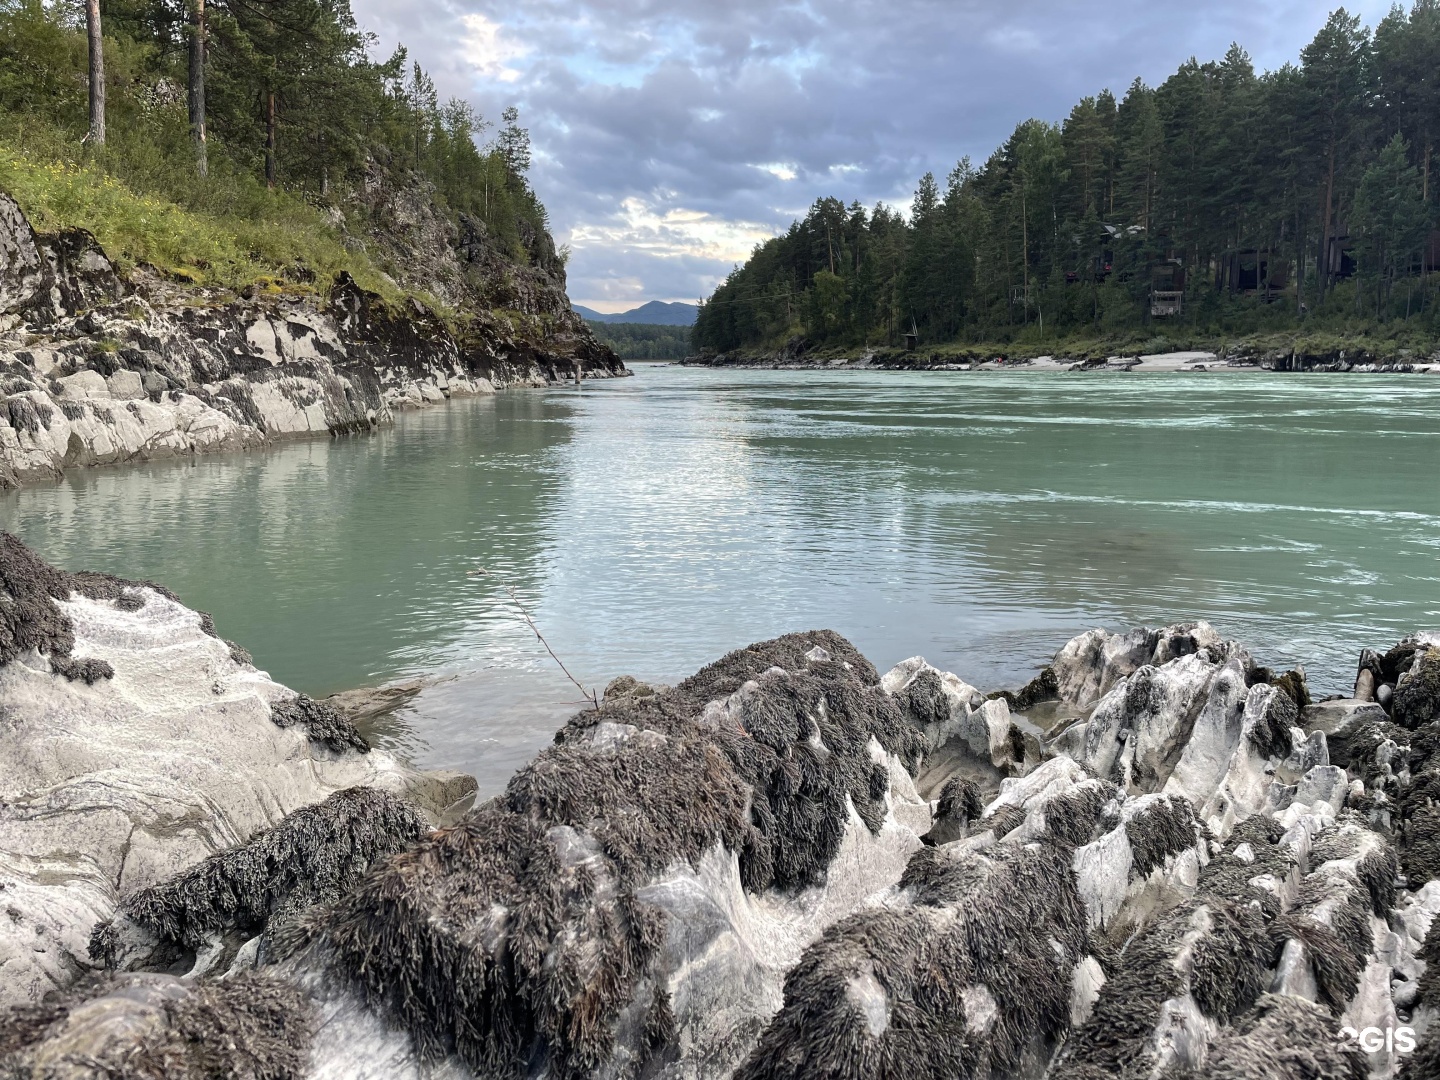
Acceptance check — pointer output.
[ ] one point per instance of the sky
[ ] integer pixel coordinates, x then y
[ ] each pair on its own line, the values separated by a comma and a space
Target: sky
672, 136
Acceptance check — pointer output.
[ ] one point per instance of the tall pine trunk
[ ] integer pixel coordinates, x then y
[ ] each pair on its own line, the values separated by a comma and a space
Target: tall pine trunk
1324, 277
96, 137
1425, 266
270, 139
196, 87
1299, 260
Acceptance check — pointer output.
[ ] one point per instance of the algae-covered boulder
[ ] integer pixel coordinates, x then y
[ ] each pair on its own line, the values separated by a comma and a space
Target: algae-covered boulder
135, 743
636, 895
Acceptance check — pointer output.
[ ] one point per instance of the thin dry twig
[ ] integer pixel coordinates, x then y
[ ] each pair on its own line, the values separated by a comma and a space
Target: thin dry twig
592, 697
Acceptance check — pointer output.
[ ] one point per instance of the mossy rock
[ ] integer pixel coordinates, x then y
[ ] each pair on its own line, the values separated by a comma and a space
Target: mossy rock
1417, 696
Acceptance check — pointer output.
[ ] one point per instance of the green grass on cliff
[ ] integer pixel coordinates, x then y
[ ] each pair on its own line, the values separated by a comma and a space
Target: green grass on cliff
287, 246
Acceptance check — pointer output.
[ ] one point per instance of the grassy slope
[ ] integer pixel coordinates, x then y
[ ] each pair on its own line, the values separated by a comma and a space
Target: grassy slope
285, 249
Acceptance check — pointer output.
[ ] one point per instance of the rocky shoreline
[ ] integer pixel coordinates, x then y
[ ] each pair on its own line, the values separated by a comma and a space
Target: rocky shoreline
1235, 361
1159, 858
98, 368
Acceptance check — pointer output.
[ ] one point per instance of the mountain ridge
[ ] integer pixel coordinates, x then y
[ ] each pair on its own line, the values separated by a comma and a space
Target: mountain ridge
653, 313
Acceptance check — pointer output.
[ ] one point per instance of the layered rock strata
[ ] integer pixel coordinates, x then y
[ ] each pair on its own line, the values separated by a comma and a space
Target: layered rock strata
97, 367
1157, 859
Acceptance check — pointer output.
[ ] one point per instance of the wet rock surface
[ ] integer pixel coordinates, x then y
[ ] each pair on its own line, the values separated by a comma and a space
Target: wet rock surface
96, 368
1148, 862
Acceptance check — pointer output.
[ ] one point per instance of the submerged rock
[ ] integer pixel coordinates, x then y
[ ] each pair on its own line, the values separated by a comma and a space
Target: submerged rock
741, 875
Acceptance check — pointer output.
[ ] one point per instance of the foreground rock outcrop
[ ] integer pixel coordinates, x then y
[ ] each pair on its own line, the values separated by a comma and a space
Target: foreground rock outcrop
97, 367
134, 743
1157, 859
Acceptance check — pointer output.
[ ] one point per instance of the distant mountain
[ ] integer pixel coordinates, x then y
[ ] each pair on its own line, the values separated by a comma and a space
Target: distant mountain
656, 313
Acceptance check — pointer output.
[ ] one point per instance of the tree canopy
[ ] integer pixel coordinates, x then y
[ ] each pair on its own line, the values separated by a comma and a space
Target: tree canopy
336, 108
1267, 199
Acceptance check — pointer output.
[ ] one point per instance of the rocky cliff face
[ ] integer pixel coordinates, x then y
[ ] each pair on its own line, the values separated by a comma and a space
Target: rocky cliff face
97, 369
1164, 862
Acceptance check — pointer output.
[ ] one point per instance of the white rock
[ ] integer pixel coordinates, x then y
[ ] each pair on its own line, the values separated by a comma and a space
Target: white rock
960, 696
125, 386
107, 788
1138, 730
1085, 986
1249, 776
1326, 784
1214, 738
1089, 665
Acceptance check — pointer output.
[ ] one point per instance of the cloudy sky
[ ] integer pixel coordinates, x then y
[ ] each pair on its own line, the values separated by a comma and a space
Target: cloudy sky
673, 135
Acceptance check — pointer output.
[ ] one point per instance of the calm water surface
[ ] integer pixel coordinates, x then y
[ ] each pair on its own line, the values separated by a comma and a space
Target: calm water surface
651, 524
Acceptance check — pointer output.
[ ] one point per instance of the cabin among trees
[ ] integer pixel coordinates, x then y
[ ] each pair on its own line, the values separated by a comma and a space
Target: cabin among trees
1221, 200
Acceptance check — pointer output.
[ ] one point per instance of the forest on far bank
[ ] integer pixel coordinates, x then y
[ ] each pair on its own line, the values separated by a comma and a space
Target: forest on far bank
644, 341
1221, 202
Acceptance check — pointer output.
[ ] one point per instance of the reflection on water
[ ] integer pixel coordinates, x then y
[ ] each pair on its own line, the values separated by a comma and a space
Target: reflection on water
653, 523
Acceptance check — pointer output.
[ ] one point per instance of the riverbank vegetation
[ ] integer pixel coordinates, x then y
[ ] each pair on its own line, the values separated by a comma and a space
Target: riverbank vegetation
644, 341
234, 140
1222, 204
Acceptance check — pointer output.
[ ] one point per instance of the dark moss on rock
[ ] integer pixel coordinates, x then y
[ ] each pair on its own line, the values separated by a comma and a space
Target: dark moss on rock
323, 722
1114, 1040
1355, 750
160, 1028
1283, 1038
31, 619
1043, 687
89, 670
923, 699
959, 805
1164, 828
1420, 846
1229, 876
520, 932
1004, 820
1229, 929
1079, 815
973, 980
1271, 734
1230, 956
1295, 687
311, 857
1230, 961
1417, 694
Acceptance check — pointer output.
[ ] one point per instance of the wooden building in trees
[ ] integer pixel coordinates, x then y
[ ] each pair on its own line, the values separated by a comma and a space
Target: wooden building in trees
1253, 272
1167, 289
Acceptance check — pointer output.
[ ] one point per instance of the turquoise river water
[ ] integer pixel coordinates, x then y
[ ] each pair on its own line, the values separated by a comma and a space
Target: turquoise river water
651, 524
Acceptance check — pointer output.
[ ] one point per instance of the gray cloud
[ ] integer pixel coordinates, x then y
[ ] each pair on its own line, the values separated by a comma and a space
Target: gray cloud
672, 135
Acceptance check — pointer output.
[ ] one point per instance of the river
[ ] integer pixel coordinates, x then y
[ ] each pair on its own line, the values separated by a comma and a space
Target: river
651, 524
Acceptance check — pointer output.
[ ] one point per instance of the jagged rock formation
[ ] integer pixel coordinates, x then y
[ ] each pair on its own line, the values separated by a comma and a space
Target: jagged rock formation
97, 369
134, 743
786, 866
